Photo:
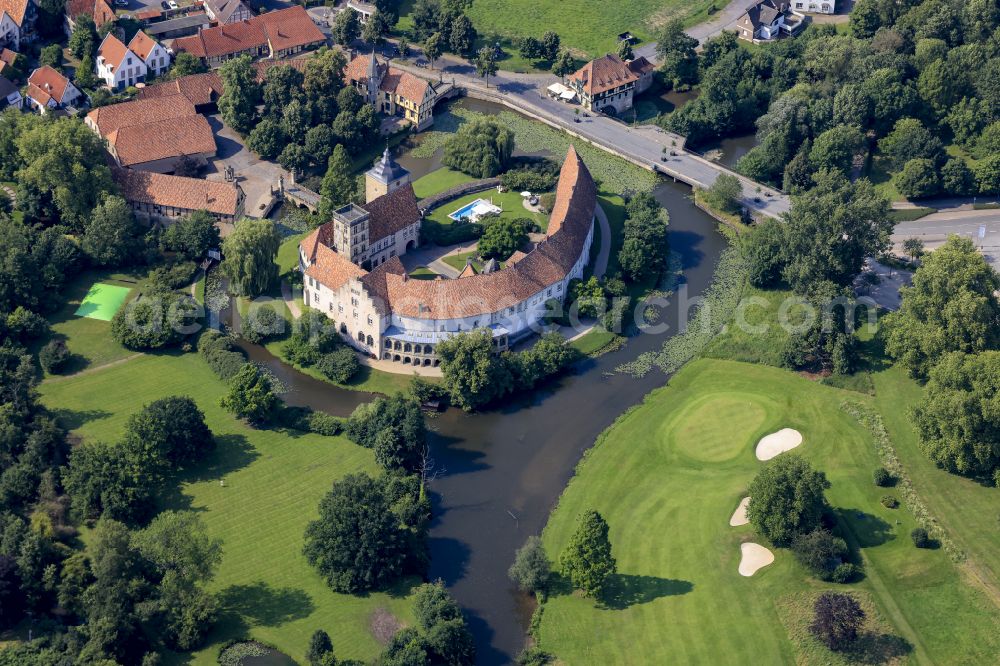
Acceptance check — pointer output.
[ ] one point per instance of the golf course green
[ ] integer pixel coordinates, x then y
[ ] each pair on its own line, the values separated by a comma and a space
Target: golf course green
668, 475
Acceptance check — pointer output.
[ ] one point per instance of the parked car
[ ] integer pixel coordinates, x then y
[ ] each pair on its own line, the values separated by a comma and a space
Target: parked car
164, 5
173, 5
121, 3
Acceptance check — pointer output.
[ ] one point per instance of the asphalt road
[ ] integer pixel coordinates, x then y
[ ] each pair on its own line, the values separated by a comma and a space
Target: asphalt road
935, 228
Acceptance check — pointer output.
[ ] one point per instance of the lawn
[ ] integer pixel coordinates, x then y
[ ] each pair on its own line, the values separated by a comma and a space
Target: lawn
586, 28
595, 341
967, 510
273, 483
439, 181
510, 202
423, 273
668, 475
458, 261
88, 338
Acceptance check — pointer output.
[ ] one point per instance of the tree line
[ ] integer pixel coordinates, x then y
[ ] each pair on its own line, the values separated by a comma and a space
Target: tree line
912, 78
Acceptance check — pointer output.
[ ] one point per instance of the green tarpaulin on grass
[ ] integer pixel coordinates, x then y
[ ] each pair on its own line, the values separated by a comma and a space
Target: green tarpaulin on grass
102, 301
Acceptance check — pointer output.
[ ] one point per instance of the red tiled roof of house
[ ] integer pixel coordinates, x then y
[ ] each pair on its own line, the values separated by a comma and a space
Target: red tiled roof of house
147, 14
394, 80
290, 28
142, 45
548, 263
99, 10
603, 74
375, 284
7, 58
391, 213
206, 88
283, 29
16, 9
49, 83
178, 192
140, 112
112, 50
137, 144
199, 89
328, 266
641, 66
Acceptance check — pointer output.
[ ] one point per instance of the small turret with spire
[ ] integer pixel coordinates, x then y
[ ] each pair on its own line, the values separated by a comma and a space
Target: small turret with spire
387, 175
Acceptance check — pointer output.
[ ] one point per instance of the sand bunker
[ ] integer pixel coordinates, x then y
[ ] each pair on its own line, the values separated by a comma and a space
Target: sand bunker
755, 557
785, 439
740, 515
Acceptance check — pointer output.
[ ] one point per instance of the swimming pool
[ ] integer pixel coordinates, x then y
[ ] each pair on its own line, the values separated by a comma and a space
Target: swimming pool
474, 210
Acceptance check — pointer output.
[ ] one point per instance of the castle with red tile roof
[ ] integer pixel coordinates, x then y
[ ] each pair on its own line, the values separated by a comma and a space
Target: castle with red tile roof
388, 315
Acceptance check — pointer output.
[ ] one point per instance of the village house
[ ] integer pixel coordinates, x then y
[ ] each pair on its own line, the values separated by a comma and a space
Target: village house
161, 198
154, 134
609, 84
385, 314
815, 6
121, 66
17, 22
8, 62
392, 91
9, 94
277, 34
363, 9
766, 20
224, 12
203, 90
48, 90
100, 10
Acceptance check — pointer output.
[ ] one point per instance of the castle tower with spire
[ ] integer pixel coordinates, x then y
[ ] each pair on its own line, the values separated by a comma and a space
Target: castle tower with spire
387, 175
374, 80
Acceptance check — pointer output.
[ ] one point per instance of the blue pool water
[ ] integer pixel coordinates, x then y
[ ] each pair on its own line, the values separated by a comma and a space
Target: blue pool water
465, 211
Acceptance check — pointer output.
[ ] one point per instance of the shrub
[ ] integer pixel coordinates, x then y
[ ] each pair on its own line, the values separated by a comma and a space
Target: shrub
172, 276
322, 423
54, 357
339, 365
262, 323
24, 325
845, 573
889, 502
837, 618
221, 354
153, 322
920, 538
820, 552
882, 477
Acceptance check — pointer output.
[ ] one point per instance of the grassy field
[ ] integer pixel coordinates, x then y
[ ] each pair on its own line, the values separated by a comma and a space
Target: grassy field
273, 483
668, 475
439, 181
89, 340
967, 510
586, 28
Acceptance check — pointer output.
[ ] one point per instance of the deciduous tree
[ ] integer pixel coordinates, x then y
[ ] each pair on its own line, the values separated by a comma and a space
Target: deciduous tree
587, 559
950, 307
786, 499
250, 253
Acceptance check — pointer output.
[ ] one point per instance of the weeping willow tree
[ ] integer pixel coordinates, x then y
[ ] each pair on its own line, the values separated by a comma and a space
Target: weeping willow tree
250, 252
481, 148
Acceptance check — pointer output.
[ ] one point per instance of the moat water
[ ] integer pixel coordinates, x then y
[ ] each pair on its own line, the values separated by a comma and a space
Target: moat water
500, 473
